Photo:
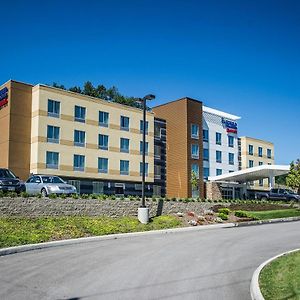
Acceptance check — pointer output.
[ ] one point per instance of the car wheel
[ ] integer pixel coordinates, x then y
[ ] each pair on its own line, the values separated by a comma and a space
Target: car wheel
44, 193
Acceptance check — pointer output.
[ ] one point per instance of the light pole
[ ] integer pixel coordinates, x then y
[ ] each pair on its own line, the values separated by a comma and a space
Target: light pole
143, 211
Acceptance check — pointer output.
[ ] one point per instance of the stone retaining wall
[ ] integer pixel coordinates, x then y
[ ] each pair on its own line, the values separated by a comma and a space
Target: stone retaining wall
34, 207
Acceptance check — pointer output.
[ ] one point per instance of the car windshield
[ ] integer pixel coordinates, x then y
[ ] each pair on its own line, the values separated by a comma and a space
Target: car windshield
4, 173
52, 179
290, 192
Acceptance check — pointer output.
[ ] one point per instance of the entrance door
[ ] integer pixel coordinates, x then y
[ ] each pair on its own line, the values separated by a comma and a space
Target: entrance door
119, 189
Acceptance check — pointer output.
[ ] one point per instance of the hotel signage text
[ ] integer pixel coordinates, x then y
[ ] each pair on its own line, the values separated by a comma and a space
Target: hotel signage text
231, 127
3, 97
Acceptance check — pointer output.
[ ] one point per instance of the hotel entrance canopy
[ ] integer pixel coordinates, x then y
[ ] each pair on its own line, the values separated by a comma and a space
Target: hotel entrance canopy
252, 174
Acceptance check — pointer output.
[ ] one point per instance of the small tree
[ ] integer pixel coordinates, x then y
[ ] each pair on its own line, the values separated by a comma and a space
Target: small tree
194, 181
293, 178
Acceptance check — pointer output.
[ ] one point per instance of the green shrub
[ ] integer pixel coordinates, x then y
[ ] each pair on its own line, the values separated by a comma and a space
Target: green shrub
52, 196
224, 210
24, 195
12, 195
185, 200
39, 195
2, 194
84, 196
174, 199
112, 197
63, 196
122, 198
223, 216
241, 214
168, 199
75, 196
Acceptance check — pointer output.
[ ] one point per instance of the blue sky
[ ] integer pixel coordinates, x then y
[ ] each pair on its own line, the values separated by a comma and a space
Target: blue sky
238, 56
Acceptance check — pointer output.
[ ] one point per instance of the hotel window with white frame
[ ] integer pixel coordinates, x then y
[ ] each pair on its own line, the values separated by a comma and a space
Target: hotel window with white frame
205, 173
53, 108
250, 148
157, 151
146, 169
251, 163
195, 151
102, 165
195, 131
205, 154
124, 123
103, 118
269, 153
124, 145
218, 156
79, 162
218, 138
219, 172
195, 169
231, 158
79, 138
52, 160
103, 142
205, 135
124, 167
146, 148
157, 172
52, 134
230, 141
260, 151
142, 126
80, 114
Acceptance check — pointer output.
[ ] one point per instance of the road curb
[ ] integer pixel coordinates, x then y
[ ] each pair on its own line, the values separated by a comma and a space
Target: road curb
30, 247
254, 286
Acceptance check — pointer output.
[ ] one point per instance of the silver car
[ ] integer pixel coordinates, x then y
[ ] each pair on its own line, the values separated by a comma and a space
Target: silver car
45, 185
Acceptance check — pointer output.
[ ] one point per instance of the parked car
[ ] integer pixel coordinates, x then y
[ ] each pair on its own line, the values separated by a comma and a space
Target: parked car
47, 185
278, 194
9, 182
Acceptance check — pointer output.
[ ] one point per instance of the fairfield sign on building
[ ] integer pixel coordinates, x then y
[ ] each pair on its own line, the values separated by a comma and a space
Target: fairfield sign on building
3, 97
231, 127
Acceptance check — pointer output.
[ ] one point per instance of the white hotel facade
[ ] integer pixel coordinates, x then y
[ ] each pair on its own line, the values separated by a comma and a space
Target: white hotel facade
220, 142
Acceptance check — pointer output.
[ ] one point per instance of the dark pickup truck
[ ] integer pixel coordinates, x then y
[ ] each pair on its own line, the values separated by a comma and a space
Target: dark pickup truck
278, 194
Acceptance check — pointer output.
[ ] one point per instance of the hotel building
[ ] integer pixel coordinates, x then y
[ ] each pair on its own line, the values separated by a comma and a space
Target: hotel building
220, 142
92, 143
255, 152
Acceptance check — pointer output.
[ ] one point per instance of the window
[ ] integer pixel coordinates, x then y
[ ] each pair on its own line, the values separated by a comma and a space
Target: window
102, 165
157, 151
260, 163
146, 148
157, 190
103, 142
98, 187
195, 169
124, 123
205, 173
103, 118
231, 158
157, 131
218, 172
230, 141
79, 138
195, 151
251, 163
142, 126
218, 156
250, 149
124, 167
260, 151
205, 154
157, 172
124, 145
80, 114
52, 134
79, 162
218, 138
52, 160
261, 182
75, 183
269, 153
141, 169
53, 108
195, 131
205, 135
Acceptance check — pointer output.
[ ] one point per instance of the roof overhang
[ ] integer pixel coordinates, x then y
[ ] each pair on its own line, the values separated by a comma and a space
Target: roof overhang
252, 174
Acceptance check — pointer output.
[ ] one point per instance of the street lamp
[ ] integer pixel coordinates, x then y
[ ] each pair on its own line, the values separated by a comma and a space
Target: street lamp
143, 211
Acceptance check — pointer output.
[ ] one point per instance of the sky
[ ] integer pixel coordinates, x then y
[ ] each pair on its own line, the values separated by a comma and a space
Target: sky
242, 57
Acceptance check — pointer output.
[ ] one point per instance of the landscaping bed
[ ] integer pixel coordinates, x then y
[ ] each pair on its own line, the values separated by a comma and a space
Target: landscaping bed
15, 231
281, 278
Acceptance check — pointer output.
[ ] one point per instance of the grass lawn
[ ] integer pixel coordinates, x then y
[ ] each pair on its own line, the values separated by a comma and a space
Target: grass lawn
281, 278
274, 214
16, 231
